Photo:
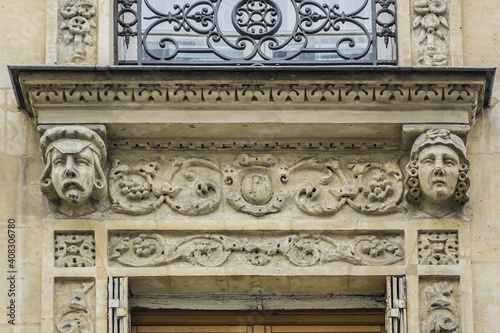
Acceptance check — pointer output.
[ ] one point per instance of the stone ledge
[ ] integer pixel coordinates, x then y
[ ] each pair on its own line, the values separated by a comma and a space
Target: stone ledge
251, 102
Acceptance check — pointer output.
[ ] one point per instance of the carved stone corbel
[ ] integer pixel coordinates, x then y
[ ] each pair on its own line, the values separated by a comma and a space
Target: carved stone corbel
73, 179
436, 175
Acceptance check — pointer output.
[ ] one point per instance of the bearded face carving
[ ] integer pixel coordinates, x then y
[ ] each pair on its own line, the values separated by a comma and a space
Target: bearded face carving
73, 179
437, 173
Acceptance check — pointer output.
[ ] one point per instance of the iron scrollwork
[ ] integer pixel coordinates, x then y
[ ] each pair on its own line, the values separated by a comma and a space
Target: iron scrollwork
257, 32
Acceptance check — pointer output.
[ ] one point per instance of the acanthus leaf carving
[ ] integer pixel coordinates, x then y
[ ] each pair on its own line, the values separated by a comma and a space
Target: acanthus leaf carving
131, 188
255, 184
440, 310
193, 193
213, 250
76, 315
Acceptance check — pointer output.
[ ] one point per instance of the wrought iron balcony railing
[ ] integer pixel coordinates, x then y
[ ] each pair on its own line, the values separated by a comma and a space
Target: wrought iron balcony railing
255, 32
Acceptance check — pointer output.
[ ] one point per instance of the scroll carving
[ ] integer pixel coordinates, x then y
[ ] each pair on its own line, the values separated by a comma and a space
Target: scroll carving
438, 248
329, 194
73, 180
255, 184
437, 177
431, 32
76, 314
198, 191
77, 32
440, 312
155, 249
74, 250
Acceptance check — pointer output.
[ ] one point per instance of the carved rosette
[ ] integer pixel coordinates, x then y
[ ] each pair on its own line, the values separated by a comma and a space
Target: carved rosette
255, 184
131, 187
76, 313
192, 186
379, 187
212, 250
440, 311
431, 32
438, 248
77, 32
74, 250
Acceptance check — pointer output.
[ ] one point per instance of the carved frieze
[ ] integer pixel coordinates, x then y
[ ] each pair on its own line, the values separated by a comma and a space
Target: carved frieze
74, 305
74, 250
77, 32
439, 306
436, 179
139, 249
438, 248
431, 32
252, 93
73, 180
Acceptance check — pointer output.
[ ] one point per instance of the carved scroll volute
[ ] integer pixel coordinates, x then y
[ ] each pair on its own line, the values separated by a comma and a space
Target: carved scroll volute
131, 187
255, 184
379, 187
440, 309
192, 186
327, 193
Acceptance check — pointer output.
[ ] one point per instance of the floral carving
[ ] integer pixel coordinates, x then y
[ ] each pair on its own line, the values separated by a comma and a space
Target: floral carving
75, 250
131, 187
430, 26
77, 31
380, 186
255, 184
211, 250
195, 193
440, 310
438, 248
76, 315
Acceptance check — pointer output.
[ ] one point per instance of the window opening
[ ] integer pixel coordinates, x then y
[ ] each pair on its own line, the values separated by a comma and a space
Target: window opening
255, 32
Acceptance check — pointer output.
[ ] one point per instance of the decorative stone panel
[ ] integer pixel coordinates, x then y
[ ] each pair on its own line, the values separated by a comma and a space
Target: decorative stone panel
74, 249
438, 248
439, 305
77, 36
74, 305
250, 249
431, 35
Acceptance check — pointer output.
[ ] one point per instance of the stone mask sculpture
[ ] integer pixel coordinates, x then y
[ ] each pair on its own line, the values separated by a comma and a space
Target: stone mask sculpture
437, 173
73, 179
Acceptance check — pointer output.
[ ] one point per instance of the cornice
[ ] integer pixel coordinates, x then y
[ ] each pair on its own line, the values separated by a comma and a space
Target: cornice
219, 96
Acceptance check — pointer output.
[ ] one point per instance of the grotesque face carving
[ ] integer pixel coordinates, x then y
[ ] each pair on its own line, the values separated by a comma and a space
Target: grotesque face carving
438, 170
73, 176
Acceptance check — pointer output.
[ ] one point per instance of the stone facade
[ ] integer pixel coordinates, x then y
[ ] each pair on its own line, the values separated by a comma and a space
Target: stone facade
341, 179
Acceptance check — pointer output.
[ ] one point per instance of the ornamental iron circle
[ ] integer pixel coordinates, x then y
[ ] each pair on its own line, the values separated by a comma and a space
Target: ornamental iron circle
256, 18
